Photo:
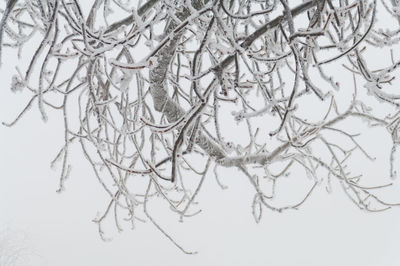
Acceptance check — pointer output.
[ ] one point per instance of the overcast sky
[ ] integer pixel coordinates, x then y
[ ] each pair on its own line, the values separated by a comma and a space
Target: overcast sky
57, 229
327, 230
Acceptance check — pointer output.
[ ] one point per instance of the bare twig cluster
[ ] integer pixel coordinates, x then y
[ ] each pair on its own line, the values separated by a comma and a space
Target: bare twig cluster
150, 97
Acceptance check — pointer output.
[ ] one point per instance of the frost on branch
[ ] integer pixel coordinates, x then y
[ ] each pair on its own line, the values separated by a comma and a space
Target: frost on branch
155, 96
16, 84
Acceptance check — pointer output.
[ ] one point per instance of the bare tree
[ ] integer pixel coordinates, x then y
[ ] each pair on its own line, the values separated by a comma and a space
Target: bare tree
155, 98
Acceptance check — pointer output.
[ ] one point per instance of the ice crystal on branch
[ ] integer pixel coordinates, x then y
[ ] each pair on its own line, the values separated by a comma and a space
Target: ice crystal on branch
157, 94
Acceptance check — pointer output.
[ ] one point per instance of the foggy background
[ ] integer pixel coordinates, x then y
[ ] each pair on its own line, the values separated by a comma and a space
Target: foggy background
57, 229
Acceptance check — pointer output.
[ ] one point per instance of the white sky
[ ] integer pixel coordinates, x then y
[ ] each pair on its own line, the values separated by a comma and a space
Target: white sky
328, 230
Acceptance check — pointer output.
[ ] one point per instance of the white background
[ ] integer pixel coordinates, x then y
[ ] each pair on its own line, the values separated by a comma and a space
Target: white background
58, 228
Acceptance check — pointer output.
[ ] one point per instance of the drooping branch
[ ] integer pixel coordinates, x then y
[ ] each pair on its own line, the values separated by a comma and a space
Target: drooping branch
160, 92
